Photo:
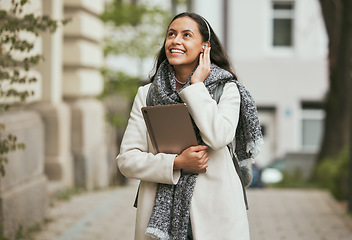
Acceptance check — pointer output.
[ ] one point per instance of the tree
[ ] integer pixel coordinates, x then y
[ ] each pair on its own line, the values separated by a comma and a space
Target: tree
337, 15
333, 166
136, 31
18, 32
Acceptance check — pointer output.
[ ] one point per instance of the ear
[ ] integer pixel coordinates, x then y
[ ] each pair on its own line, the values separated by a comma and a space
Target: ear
205, 44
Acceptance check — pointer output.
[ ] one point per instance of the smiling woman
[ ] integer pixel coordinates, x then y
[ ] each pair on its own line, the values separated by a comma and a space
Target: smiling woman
183, 46
175, 200
189, 31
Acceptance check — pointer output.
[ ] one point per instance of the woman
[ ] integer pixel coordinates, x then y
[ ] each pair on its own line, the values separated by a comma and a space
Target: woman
173, 204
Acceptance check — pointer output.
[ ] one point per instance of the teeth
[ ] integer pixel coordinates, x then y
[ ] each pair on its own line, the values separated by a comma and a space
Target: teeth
176, 51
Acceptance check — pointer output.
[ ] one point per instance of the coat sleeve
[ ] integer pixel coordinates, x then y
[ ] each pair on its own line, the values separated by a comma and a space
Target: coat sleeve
217, 122
134, 160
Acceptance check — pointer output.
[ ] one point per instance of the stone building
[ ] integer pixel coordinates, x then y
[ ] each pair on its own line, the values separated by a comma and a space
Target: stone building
279, 49
63, 126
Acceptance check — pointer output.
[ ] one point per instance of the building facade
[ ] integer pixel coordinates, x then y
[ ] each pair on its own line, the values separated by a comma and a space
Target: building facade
279, 50
63, 125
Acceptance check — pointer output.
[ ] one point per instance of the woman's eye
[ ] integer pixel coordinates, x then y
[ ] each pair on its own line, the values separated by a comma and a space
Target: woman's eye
187, 35
170, 34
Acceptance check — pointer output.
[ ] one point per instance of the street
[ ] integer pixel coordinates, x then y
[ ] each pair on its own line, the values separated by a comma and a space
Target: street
275, 214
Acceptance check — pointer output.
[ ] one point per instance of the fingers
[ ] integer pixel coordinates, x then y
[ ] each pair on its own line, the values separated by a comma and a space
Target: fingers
201, 159
205, 57
204, 161
203, 69
198, 148
194, 159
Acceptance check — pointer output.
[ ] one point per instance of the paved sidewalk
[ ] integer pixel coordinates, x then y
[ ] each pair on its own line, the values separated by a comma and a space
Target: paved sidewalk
275, 214
279, 214
97, 215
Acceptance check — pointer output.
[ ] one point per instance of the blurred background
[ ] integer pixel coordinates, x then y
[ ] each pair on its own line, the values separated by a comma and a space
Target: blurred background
70, 69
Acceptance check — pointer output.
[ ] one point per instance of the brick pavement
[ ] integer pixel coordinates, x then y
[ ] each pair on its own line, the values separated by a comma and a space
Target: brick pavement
287, 214
275, 214
106, 214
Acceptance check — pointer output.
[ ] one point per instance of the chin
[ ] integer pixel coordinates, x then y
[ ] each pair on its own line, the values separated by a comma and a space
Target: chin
182, 62
175, 62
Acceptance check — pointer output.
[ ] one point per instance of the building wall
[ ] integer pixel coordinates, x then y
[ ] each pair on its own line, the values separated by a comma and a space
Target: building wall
213, 12
82, 83
23, 188
75, 153
279, 78
63, 127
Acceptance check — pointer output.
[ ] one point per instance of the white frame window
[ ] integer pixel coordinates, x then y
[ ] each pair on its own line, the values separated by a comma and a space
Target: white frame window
283, 24
312, 126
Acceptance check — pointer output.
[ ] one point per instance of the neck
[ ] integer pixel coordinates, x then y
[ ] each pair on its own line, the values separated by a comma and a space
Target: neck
182, 73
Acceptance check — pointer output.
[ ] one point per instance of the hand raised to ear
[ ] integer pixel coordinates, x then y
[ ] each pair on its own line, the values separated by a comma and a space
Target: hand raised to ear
203, 68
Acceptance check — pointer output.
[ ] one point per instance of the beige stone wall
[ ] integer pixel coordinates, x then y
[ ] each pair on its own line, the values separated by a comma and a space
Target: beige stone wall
82, 49
56, 115
23, 190
64, 126
82, 83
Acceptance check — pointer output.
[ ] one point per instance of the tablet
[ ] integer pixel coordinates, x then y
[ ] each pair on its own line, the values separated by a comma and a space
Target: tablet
170, 127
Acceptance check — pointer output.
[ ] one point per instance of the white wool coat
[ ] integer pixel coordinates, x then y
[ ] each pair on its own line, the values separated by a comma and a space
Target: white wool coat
217, 208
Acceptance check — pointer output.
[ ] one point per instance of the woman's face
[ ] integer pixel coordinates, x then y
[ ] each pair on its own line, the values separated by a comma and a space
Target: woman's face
183, 43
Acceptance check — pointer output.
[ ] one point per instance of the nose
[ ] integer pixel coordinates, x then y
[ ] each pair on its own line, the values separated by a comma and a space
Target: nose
177, 39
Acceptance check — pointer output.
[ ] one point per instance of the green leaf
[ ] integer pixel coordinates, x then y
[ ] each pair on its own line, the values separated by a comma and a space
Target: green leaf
23, 2
3, 14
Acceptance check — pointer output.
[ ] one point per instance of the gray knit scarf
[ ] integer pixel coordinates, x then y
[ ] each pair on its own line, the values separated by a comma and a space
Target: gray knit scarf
170, 216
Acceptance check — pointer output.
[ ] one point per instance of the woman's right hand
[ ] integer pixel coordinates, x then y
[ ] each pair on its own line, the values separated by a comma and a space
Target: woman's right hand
203, 69
194, 159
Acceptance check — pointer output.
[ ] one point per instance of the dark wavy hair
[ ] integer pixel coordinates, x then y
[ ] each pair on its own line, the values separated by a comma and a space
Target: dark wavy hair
218, 55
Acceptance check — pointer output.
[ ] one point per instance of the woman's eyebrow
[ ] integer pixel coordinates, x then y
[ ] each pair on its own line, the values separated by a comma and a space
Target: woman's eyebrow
186, 30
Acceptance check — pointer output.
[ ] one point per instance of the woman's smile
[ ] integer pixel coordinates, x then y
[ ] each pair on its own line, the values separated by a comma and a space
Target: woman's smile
176, 52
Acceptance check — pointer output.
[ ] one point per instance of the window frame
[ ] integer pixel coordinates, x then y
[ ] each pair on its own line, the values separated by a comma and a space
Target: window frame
278, 50
312, 114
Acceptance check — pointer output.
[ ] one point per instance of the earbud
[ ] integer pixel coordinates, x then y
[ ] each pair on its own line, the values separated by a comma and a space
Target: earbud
204, 46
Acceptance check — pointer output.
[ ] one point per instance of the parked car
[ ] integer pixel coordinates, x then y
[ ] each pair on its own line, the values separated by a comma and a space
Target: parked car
256, 182
272, 173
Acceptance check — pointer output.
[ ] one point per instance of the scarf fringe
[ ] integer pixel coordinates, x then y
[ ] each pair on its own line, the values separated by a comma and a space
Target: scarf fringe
254, 147
246, 162
157, 234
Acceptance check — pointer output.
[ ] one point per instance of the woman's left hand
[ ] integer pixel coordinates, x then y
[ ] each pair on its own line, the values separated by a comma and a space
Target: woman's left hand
203, 68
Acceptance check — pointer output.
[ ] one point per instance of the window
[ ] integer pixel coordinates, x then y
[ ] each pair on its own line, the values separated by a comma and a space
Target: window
312, 126
312, 132
283, 16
